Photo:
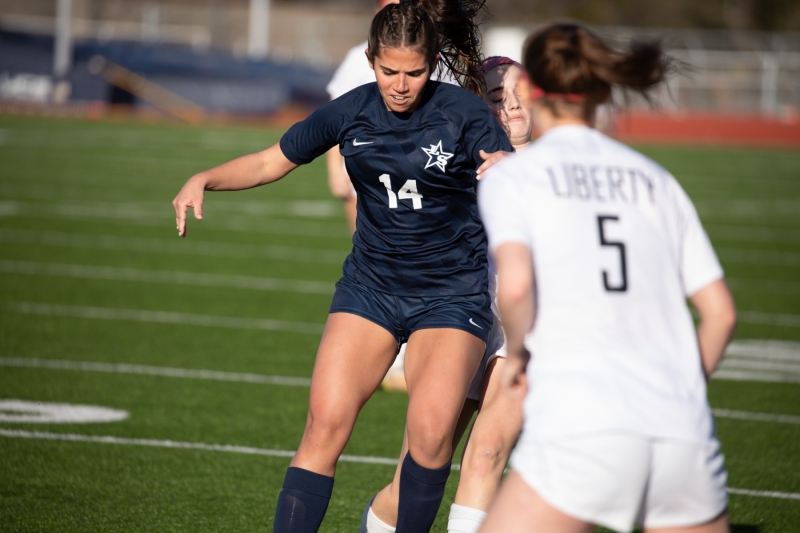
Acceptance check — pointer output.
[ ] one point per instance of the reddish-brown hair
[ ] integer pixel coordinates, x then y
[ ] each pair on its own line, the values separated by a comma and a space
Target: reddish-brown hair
568, 59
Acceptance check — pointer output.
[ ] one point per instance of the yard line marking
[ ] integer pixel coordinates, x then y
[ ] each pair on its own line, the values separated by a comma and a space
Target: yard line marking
764, 285
727, 232
143, 215
765, 494
72, 437
758, 417
172, 246
162, 371
160, 317
769, 361
764, 377
165, 276
770, 319
765, 349
758, 257
249, 450
744, 364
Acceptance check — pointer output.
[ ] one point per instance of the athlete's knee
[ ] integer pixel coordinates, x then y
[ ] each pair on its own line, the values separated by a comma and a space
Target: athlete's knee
485, 456
429, 443
327, 425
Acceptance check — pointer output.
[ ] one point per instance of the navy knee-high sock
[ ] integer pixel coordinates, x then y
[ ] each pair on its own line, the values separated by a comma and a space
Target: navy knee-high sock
302, 502
421, 493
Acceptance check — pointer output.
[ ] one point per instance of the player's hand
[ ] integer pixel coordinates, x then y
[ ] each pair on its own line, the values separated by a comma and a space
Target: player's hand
191, 195
514, 380
489, 160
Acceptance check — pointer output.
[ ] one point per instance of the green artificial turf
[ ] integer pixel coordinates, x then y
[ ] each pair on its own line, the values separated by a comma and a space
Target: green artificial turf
97, 194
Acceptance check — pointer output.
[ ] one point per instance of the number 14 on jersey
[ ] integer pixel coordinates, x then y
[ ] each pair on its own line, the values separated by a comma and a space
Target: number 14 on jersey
407, 192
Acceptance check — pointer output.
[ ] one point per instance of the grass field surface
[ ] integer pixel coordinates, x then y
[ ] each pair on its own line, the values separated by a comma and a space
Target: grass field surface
207, 343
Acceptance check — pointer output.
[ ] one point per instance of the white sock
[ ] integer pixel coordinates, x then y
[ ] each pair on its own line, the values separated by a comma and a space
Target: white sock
376, 525
464, 519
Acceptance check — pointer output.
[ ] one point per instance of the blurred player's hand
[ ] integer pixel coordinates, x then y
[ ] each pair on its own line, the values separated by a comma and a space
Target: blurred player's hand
489, 160
191, 195
514, 379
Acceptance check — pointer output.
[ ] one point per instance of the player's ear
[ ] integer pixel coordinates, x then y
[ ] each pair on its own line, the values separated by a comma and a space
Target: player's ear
435, 63
369, 59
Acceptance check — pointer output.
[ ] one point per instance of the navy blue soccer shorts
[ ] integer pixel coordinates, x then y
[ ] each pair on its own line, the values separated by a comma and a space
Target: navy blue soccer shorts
403, 315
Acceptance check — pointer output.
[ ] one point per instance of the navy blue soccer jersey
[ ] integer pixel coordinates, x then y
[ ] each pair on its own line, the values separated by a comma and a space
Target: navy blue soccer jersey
418, 228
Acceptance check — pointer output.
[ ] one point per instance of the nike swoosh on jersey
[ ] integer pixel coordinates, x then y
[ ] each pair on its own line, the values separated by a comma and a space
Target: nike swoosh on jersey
474, 324
356, 143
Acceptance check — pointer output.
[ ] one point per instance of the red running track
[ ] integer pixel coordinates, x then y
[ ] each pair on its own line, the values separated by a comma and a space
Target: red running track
708, 129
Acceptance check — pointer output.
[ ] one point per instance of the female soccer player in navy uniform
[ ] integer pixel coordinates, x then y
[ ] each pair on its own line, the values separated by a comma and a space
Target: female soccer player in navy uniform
418, 268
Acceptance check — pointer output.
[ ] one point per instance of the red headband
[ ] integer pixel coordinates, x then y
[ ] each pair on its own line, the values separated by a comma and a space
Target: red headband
573, 98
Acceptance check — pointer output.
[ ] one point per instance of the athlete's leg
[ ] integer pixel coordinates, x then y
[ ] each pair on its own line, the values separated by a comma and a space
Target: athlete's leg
384, 506
353, 356
718, 525
519, 509
485, 456
440, 365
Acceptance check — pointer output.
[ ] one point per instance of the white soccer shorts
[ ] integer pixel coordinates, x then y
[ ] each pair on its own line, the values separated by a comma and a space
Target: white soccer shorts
621, 480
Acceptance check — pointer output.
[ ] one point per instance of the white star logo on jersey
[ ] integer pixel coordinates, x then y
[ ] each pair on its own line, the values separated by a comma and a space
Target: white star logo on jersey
435, 151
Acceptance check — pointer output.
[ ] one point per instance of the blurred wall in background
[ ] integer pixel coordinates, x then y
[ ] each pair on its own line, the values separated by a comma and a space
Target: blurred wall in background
203, 50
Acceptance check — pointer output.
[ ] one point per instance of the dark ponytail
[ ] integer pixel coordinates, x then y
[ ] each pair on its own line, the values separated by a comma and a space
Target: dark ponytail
568, 60
444, 27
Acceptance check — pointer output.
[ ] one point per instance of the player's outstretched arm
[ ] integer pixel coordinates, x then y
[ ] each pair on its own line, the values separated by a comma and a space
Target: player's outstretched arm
241, 173
717, 310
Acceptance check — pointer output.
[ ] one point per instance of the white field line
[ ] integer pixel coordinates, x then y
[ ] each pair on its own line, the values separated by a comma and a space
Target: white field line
72, 437
726, 232
146, 370
165, 276
735, 363
758, 257
144, 216
160, 317
230, 448
770, 319
765, 494
171, 246
756, 417
772, 350
764, 286
124, 368
769, 361
748, 375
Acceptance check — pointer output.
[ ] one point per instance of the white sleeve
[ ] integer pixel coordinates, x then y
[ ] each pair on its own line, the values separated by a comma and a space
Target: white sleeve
353, 72
699, 263
503, 210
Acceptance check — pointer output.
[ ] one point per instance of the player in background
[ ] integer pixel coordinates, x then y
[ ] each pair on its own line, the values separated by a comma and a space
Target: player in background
597, 249
417, 273
499, 415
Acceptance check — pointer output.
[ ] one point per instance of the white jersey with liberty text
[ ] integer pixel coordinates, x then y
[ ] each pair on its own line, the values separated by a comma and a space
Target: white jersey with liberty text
617, 247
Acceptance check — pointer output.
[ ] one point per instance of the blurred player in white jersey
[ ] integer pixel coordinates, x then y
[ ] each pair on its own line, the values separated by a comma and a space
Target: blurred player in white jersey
597, 249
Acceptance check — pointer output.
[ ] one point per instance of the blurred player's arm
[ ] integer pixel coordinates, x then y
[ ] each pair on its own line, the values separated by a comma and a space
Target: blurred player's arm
244, 172
340, 186
516, 303
715, 305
